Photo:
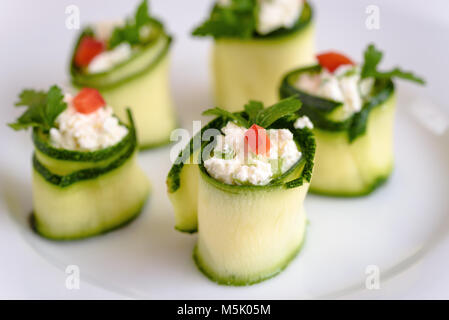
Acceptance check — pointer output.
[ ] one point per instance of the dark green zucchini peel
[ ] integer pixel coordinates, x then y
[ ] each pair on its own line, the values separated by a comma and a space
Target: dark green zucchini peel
99, 80
303, 137
41, 142
119, 154
318, 109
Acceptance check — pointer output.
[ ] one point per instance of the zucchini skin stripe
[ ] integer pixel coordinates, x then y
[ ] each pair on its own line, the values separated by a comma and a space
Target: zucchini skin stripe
62, 181
304, 137
81, 175
306, 140
71, 155
316, 107
81, 80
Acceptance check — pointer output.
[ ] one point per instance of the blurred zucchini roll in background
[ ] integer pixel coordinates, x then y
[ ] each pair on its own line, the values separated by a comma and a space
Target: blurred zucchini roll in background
255, 43
128, 62
351, 110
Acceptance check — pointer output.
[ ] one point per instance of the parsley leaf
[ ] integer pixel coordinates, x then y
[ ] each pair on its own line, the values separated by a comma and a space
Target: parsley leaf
43, 108
279, 110
132, 33
372, 58
226, 114
31, 98
238, 19
257, 114
54, 106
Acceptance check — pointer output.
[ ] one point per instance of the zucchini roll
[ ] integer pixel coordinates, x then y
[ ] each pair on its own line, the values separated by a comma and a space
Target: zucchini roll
86, 179
256, 43
351, 109
245, 193
128, 62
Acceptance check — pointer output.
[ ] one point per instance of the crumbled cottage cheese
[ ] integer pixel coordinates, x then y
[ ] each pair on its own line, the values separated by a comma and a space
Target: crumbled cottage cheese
232, 165
303, 122
86, 132
107, 59
275, 14
344, 85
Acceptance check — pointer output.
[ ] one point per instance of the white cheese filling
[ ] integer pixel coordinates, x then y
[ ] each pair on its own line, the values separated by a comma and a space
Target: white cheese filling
108, 59
232, 164
86, 132
303, 122
275, 14
344, 85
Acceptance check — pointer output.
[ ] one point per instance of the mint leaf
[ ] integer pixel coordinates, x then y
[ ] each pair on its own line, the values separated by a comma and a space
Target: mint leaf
238, 20
226, 114
372, 58
130, 32
43, 108
142, 17
252, 109
258, 115
281, 109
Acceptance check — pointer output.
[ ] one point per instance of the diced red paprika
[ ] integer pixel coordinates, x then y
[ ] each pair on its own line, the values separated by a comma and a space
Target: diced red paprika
88, 49
257, 140
88, 100
332, 60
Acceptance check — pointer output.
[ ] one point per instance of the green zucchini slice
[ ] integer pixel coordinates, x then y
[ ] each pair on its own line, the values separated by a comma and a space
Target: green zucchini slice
246, 233
82, 194
251, 69
361, 146
140, 83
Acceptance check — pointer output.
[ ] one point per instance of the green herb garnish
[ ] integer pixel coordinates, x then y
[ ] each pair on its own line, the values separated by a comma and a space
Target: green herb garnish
132, 33
283, 108
259, 115
43, 108
226, 114
236, 20
252, 109
372, 58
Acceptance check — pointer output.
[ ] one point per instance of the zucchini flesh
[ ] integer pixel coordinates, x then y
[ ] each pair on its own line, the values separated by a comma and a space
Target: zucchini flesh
246, 234
87, 193
89, 207
248, 237
344, 168
149, 98
185, 199
182, 184
251, 69
355, 155
142, 84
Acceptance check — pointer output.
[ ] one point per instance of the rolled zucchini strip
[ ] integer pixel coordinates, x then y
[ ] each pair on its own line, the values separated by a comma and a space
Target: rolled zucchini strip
246, 233
140, 83
81, 194
251, 68
353, 156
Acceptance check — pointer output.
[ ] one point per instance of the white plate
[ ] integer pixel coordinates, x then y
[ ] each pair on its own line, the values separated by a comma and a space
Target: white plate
394, 228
